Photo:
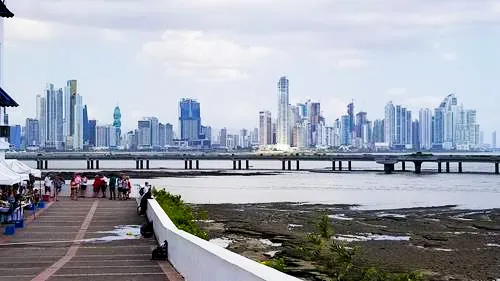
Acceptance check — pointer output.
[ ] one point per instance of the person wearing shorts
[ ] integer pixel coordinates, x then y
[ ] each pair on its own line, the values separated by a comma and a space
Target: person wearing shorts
83, 187
47, 184
96, 185
74, 189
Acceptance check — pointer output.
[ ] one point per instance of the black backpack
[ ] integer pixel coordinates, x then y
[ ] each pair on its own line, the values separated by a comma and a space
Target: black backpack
161, 252
147, 230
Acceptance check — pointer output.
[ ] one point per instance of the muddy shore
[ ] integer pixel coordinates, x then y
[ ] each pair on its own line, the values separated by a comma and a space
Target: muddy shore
444, 242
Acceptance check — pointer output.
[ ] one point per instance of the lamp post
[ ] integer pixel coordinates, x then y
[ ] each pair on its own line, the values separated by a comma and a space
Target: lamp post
4, 11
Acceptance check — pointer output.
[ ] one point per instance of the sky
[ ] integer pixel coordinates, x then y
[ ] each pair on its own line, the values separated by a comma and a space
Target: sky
229, 54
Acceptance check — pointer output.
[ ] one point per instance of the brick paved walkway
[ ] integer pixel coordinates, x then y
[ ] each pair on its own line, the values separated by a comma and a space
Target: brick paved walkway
68, 242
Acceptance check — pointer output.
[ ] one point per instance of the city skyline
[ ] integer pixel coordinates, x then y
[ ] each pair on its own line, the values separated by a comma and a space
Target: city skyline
410, 54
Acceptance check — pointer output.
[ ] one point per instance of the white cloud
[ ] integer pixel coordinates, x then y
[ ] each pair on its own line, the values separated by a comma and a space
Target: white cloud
396, 92
350, 63
202, 56
21, 29
449, 56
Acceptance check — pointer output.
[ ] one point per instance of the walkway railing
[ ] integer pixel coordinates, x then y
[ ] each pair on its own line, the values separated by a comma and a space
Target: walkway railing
199, 260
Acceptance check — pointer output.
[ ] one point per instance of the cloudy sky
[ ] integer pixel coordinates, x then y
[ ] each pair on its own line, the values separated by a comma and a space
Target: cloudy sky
146, 55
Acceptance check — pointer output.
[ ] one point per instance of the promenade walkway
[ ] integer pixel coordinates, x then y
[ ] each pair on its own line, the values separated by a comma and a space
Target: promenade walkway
82, 240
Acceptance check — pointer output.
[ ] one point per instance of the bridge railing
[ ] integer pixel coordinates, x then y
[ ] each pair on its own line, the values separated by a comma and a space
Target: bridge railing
199, 260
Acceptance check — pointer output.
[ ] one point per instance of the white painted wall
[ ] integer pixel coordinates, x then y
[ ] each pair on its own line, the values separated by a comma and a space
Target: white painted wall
199, 260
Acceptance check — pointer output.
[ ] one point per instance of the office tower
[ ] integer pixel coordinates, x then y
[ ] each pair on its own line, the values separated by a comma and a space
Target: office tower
117, 122
86, 132
361, 119
15, 137
350, 113
438, 128
378, 131
92, 127
32, 133
313, 115
102, 136
283, 126
389, 124
346, 133
169, 134
223, 137
481, 139
78, 123
189, 119
265, 128
416, 135
161, 135
155, 137
144, 141
71, 91
425, 125
494, 140
41, 111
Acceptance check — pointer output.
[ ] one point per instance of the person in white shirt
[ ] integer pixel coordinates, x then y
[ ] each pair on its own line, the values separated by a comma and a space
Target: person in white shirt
47, 184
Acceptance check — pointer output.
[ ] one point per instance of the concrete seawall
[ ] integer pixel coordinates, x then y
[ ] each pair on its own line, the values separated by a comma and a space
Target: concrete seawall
199, 260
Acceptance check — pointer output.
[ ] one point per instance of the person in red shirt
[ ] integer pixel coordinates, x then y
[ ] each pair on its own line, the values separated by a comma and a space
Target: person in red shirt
96, 185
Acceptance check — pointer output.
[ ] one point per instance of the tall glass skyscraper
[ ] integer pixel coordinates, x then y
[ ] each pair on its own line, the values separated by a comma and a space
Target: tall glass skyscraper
283, 130
117, 122
189, 119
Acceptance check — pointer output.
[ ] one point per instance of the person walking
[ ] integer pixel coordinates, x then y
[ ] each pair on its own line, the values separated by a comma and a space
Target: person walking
104, 185
83, 187
96, 185
47, 184
74, 189
112, 187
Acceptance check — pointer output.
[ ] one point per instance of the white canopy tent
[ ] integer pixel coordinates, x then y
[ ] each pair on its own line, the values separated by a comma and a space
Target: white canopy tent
21, 168
8, 177
23, 176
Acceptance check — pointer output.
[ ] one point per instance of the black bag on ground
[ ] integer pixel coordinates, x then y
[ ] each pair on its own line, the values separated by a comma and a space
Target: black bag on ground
147, 230
161, 252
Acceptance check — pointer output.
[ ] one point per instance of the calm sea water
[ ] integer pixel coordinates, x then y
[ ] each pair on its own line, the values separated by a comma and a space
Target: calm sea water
371, 190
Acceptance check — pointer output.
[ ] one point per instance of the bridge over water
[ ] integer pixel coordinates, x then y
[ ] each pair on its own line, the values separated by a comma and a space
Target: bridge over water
289, 161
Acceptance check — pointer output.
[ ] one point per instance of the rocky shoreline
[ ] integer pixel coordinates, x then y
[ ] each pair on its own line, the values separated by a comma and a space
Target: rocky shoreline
446, 243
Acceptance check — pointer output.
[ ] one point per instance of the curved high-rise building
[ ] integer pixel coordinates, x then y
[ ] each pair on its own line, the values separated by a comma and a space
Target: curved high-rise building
283, 130
117, 121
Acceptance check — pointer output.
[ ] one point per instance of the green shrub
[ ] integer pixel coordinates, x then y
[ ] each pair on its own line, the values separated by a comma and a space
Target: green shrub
276, 263
180, 213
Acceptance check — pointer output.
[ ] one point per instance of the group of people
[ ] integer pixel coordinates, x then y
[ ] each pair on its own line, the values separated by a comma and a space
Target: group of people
119, 186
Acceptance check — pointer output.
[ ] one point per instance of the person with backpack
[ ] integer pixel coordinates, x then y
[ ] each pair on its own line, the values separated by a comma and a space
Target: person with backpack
112, 187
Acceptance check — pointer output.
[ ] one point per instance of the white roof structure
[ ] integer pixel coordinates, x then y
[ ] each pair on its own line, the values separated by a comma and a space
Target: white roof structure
21, 168
7, 176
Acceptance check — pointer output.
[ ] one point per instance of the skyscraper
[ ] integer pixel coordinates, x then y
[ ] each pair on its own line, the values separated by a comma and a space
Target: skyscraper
389, 124
189, 119
425, 126
265, 128
78, 123
86, 132
32, 133
15, 137
494, 140
92, 127
144, 134
350, 113
41, 111
169, 134
117, 122
283, 126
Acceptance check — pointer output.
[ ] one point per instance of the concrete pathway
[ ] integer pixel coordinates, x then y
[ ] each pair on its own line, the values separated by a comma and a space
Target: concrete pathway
82, 240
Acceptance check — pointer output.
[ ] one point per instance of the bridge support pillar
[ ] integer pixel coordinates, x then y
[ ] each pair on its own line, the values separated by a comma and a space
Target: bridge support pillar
283, 165
88, 164
185, 164
289, 164
197, 164
333, 165
234, 164
460, 167
147, 164
349, 165
247, 164
340, 165
403, 166
297, 165
239, 164
447, 167
190, 164
91, 164
440, 170
497, 168
97, 164
418, 167
141, 163
46, 164
388, 168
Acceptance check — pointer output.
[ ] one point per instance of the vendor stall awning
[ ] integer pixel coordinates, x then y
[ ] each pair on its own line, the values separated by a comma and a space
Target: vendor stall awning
21, 168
